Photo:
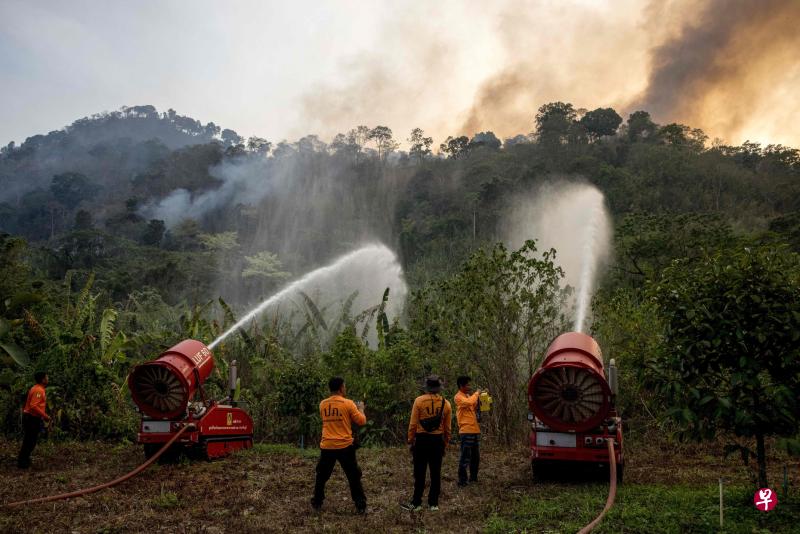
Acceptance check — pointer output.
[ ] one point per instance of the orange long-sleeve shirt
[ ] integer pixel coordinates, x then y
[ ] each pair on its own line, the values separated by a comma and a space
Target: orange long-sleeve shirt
36, 403
466, 413
429, 405
338, 415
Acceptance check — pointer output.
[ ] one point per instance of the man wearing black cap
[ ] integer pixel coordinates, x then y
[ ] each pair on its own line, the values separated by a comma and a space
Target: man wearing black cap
428, 435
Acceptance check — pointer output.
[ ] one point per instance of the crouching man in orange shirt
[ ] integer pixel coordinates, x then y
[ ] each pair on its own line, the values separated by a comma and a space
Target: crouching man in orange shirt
338, 414
33, 416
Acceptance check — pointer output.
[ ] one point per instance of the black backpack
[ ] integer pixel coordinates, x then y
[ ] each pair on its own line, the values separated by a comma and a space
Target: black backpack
429, 424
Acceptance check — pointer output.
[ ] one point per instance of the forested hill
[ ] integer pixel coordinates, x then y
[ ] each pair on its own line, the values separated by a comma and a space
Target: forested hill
127, 232
107, 148
126, 193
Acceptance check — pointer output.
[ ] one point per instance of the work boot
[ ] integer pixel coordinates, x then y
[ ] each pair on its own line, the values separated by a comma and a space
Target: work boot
433, 508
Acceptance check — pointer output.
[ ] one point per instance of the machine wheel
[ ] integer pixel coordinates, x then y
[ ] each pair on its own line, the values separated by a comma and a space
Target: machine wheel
197, 452
150, 449
540, 471
170, 456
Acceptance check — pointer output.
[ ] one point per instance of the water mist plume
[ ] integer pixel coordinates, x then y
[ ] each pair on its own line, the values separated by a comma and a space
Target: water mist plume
571, 218
595, 243
368, 270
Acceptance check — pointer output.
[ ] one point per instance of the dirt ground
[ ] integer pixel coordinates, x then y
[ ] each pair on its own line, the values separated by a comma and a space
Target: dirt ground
268, 488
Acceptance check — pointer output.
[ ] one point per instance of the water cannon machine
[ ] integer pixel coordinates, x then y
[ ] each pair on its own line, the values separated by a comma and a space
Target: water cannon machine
164, 390
571, 404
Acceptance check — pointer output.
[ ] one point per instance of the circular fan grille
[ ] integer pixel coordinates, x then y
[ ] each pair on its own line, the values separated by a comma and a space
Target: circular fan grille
568, 394
160, 389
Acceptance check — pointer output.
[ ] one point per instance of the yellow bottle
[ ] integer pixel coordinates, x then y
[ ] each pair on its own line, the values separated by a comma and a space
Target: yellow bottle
485, 401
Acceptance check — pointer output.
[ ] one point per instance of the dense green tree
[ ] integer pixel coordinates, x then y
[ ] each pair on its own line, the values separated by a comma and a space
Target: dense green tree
601, 122
455, 147
154, 233
384, 142
258, 145
730, 359
640, 126
554, 122
70, 188
646, 243
420, 145
230, 137
356, 139
490, 319
682, 135
487, 139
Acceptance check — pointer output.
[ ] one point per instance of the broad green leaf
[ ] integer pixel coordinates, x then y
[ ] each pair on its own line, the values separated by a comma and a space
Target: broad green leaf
16, 352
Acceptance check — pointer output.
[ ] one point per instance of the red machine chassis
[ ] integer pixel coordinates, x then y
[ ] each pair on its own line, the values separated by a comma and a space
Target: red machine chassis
220, 430
595, 452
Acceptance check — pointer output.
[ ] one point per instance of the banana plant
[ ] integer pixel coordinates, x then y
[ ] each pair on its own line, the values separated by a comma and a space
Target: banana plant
195, 325
81, 314
111, 343
382, 322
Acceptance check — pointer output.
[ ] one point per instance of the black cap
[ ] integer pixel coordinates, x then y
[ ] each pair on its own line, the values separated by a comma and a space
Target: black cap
433, 384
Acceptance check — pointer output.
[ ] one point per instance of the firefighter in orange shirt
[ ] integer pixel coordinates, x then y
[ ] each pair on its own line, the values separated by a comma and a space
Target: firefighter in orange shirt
33, 415
428, 435
338, 415
469, 431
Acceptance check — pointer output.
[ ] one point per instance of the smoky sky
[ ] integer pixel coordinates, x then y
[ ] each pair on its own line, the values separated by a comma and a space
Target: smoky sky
727, 66
284, 70
725, 63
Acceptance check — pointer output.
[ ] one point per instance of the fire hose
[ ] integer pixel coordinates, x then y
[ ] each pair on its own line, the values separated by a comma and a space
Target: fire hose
612, 490
114, 482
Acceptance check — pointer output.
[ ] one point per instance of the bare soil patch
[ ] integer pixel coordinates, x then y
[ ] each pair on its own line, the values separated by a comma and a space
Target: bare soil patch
268, 489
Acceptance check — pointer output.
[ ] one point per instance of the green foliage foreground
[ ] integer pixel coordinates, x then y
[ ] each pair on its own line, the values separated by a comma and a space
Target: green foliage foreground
730, 358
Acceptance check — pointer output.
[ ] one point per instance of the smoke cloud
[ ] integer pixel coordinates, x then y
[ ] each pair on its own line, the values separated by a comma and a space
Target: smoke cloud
727, 67
243, 181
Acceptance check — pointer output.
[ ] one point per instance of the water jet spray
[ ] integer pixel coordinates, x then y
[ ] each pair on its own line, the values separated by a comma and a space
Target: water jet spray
572, 219
373, 264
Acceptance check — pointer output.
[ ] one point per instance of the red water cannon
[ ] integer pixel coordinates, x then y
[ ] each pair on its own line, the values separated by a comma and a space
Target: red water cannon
165, 389
571, 402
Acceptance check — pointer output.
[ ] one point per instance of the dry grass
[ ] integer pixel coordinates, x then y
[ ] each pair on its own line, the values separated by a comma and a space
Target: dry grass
268, 489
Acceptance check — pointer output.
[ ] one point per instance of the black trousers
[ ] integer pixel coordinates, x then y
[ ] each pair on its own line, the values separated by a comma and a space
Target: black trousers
31, 426
428, 452
470, 458
347, 459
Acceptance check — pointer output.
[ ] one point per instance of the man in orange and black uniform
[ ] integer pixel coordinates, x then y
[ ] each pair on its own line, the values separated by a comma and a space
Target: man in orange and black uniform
338, 414
33, 416
469, 431
428, 435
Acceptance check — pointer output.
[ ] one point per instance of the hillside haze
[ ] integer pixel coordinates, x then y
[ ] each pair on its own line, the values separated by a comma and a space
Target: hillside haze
169, 183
